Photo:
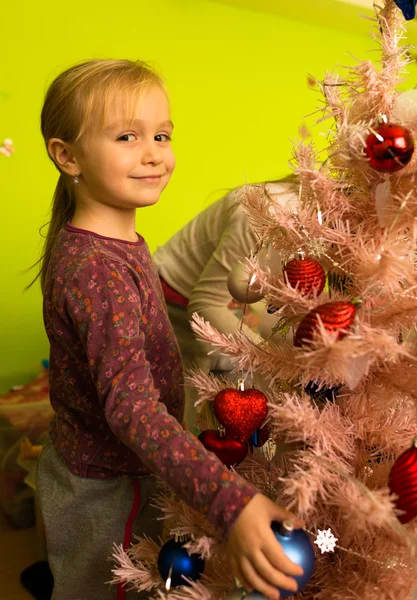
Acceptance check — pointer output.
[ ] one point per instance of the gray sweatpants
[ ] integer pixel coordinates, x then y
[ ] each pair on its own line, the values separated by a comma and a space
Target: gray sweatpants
83, 518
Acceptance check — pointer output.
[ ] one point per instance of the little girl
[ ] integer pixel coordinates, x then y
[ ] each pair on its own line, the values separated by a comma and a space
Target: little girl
116, 382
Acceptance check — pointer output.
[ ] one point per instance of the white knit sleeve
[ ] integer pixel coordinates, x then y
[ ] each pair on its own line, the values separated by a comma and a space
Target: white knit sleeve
210, 297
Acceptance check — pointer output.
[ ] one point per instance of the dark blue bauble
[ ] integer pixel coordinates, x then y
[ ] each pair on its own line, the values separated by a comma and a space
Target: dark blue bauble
271, 309
375, 456
260, 437
408, 8
321, 394
297, 546
255, 439
174, 555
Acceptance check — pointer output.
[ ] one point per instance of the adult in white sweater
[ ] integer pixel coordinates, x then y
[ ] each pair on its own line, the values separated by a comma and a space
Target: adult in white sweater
194, 265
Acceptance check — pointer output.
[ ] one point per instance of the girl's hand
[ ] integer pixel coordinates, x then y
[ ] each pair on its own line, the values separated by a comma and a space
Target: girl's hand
257, 558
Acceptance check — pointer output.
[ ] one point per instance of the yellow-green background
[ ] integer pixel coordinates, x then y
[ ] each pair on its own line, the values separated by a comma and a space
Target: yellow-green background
237, 79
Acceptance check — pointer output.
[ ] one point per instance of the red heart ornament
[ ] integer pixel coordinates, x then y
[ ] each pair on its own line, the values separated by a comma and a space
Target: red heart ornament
229, 451
403, 482
241, 412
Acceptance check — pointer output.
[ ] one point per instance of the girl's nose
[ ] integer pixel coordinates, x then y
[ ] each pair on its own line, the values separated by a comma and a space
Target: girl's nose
152, 153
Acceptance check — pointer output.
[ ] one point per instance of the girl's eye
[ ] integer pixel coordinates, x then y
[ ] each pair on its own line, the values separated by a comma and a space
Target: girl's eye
162, 137
125, 137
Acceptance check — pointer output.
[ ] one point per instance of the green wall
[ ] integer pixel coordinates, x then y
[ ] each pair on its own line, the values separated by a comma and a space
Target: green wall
237, 80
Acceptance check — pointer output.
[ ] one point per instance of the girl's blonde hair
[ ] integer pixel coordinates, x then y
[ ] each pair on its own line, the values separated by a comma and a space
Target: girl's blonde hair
78, 97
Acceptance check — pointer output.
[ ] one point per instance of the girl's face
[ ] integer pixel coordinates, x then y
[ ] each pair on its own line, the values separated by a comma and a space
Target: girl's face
127, 165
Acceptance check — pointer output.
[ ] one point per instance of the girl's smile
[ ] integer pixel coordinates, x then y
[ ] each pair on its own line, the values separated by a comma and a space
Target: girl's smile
150, 179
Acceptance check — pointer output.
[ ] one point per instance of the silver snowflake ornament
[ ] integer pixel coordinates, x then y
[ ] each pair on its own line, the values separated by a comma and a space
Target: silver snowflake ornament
326, 541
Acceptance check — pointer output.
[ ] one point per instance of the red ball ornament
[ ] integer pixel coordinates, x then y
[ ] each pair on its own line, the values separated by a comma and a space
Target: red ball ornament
228, 450
335, 316
389, 148
403, 483
241, 412
308, 274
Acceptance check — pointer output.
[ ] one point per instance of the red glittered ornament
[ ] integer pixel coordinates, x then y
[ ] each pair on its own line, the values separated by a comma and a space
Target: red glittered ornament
241, 412
403, 483
389, 148
334, 316
307, 274
228, 450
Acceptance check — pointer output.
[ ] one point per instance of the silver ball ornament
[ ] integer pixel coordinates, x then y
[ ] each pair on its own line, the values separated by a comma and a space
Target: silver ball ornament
239, 287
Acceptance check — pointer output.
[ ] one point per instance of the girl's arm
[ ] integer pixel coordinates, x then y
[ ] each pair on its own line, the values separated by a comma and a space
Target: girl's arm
110, 324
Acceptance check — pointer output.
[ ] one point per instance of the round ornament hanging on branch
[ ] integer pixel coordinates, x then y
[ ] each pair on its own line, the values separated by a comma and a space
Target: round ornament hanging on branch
305, 274
272, 308
320, 393
175, 563
408, 8
227, 449
335, 316
260, 437
389, 148
297, 546
403, 483
242, 285
241, 412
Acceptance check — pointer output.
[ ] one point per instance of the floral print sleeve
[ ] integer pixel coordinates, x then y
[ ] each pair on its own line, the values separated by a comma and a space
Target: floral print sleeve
119, 332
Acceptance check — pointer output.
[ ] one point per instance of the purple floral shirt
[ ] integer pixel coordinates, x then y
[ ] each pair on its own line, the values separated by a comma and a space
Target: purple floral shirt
116, 381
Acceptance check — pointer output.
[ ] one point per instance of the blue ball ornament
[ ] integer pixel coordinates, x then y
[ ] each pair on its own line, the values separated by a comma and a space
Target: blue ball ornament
298, 548
408, 8
175, 562
321, 394
260, 437
255, 439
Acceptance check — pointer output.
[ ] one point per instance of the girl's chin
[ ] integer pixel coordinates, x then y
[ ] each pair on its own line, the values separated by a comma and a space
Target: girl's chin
148, 200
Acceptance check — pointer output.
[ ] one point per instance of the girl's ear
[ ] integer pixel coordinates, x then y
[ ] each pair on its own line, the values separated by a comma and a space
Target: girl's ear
62, 154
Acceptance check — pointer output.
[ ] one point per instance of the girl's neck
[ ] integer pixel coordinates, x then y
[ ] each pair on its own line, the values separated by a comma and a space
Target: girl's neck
108, 222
